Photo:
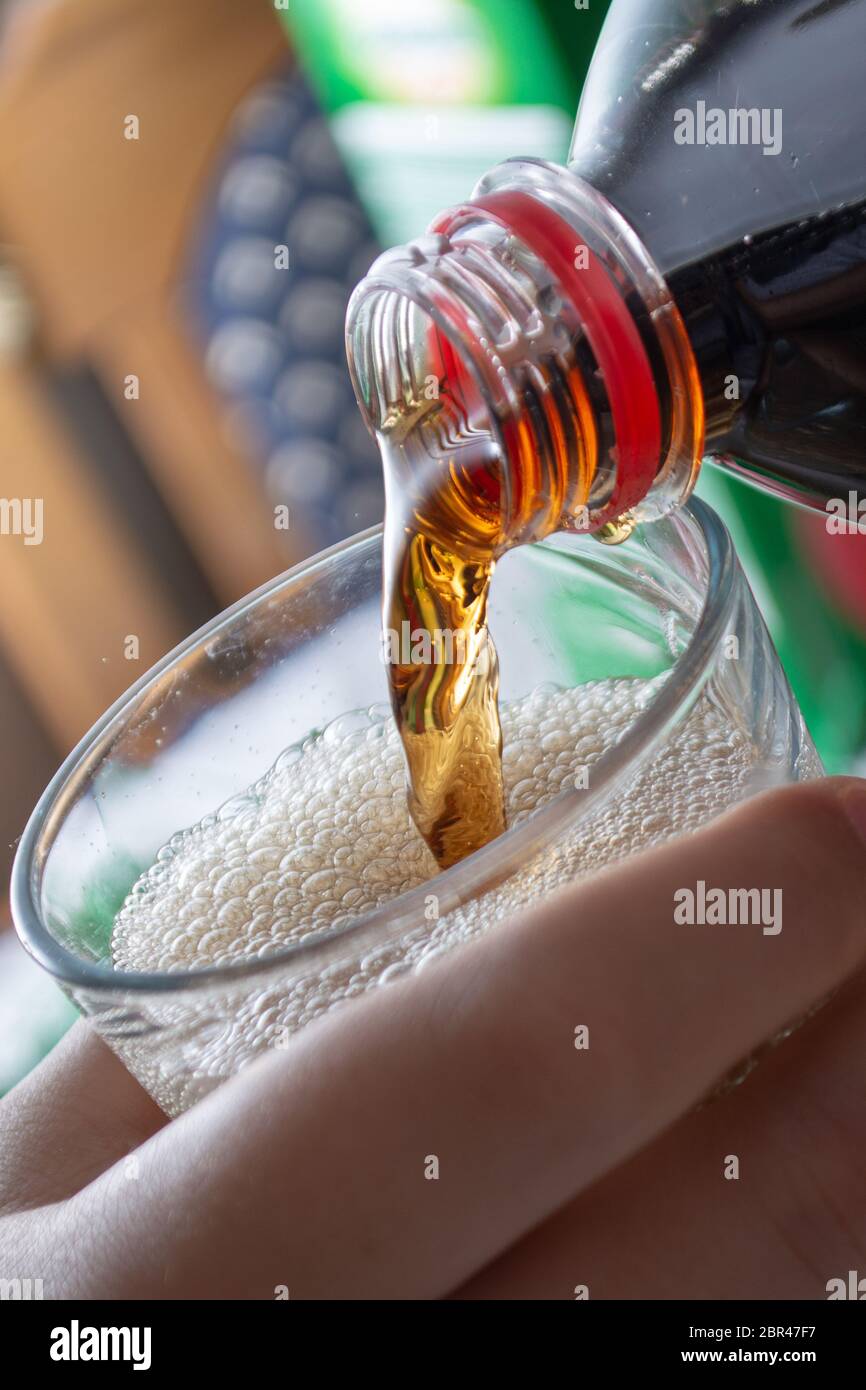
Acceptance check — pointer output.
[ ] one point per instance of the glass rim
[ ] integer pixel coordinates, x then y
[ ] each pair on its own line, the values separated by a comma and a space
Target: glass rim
479, 872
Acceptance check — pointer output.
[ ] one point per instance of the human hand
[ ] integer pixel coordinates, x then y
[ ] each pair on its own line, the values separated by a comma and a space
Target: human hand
558, 1167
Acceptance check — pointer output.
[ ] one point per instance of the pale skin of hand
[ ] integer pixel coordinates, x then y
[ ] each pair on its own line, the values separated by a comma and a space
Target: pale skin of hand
559, 1168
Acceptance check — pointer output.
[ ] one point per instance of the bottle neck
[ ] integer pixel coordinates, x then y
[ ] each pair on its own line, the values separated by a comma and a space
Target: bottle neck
531, 321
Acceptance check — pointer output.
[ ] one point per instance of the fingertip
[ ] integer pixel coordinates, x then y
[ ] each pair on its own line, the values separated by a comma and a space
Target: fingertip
850, 794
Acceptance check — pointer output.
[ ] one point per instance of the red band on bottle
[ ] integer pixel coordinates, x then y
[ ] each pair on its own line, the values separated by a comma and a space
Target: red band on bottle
610, 330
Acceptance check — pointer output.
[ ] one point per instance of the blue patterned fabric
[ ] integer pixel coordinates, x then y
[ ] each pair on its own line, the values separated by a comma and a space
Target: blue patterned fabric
272, 338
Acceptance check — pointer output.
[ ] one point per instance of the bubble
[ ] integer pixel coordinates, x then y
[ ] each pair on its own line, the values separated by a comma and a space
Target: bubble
327, 838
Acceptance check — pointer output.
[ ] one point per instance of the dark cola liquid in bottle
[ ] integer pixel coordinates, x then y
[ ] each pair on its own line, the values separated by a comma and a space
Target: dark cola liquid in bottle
561, 351
758, 224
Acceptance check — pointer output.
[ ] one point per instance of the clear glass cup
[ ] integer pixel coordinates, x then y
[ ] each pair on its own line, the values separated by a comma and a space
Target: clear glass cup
670, 603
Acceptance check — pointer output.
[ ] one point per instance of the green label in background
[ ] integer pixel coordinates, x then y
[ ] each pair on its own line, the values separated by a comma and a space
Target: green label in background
425, 95
408, 169
823, 656
442, 51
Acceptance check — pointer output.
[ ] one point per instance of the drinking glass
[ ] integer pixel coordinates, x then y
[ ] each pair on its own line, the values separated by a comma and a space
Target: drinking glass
670, 605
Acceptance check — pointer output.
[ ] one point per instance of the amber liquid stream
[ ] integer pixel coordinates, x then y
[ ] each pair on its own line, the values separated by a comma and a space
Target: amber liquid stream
454, 505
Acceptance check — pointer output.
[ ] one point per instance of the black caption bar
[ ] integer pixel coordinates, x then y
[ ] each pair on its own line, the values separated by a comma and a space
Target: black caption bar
141, 1339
